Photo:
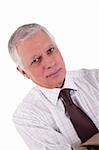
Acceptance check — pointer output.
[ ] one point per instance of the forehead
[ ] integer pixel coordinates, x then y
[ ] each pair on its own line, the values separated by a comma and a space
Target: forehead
34, 42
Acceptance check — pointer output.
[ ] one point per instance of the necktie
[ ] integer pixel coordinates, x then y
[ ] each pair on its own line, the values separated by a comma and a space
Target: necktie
83, 125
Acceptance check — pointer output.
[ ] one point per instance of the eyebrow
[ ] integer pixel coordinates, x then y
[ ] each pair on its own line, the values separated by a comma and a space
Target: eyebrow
49, 46
34, 57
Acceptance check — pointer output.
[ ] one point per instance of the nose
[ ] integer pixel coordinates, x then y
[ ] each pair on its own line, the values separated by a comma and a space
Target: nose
49, 63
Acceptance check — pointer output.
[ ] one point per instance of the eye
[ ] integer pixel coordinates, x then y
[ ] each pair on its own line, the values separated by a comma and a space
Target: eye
50, 50
36, 60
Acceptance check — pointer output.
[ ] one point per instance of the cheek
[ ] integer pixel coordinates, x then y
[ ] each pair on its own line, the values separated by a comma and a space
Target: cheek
60, 59
37, 72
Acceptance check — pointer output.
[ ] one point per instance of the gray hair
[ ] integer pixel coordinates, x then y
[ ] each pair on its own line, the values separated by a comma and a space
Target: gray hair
20, 34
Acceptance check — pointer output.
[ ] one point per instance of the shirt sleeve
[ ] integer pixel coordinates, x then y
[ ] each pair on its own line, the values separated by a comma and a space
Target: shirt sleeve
37, 134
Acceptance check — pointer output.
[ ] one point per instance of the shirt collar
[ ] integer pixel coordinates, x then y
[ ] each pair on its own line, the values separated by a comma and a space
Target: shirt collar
52, 94
69, 82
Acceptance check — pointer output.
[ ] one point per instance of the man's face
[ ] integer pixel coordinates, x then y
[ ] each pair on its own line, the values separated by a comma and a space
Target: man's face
41, 60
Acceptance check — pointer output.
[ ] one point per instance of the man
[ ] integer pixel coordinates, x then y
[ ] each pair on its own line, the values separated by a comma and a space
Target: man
44, 119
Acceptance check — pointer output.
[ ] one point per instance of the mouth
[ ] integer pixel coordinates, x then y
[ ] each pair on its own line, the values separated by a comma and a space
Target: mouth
54, 74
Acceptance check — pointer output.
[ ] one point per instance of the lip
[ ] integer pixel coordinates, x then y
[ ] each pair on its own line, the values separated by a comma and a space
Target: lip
53, 73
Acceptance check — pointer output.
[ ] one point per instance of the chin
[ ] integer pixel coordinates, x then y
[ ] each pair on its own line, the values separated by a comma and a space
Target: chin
58, 83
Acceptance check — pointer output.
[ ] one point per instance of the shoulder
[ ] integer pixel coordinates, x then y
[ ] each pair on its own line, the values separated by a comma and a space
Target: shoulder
28, 107
94, 73
86, 76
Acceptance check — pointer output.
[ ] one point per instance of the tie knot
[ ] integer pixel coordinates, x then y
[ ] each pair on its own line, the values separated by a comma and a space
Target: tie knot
65, 93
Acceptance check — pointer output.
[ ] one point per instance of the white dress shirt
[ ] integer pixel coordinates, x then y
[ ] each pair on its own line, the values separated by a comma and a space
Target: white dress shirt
41, 120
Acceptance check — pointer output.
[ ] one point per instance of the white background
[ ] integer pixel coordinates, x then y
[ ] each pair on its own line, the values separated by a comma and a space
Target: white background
74, 23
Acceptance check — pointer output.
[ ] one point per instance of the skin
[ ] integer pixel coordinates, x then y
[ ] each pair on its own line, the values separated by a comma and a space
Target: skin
42, 60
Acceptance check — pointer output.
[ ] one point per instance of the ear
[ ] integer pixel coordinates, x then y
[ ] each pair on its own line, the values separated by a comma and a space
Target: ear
22, 72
